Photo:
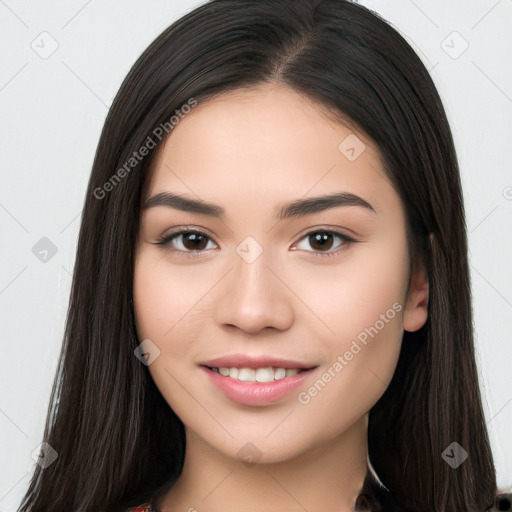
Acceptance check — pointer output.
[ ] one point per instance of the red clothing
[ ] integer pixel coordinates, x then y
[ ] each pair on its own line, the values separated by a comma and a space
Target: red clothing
142, 508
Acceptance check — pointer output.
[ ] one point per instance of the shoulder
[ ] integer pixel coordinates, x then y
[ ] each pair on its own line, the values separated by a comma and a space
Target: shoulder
146, 507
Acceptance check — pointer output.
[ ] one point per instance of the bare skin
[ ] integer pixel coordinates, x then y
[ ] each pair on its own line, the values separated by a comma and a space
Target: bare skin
250, 152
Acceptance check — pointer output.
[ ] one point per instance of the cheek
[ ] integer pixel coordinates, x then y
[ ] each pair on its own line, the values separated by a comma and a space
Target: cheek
362, 304
166, 298
169, 310
352, 296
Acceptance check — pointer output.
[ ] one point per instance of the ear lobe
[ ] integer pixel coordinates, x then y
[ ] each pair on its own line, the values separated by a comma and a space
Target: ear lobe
416, 305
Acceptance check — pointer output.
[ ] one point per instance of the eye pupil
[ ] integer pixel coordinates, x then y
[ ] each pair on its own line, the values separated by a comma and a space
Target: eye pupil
197, 240
321, 240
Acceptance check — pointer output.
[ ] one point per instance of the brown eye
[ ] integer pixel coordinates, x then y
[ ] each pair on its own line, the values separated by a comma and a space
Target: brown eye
194, 241
324, 242
321, 241
187, 241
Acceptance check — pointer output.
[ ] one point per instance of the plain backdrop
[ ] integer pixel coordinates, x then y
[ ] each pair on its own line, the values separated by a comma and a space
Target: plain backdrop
62, 64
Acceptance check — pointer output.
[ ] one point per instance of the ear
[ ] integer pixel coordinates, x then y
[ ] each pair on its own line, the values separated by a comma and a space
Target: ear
416, 305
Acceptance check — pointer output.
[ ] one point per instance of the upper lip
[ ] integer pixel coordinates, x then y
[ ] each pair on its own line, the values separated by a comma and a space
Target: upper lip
247, 361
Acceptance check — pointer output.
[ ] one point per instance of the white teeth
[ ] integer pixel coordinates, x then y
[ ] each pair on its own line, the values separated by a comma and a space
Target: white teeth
246, 375
266, 374
280, 373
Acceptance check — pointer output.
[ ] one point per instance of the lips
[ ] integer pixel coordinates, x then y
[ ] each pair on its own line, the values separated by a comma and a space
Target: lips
237, 376
247, 361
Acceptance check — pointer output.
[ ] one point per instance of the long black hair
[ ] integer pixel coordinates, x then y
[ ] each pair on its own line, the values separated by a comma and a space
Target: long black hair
117, 439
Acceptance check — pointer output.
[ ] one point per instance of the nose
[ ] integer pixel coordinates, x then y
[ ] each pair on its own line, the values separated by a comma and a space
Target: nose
252, 297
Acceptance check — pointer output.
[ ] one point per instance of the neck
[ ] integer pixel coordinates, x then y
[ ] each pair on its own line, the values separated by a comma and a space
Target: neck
328, 477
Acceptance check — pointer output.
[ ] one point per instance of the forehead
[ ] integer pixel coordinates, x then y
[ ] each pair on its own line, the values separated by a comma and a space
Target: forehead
266, 142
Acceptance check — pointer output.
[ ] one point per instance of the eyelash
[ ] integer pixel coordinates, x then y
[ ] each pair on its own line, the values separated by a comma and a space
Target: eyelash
165, 241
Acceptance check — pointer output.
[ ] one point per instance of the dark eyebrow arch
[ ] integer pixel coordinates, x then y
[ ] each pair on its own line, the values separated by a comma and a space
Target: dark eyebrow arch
311, 205
184, 204
297, 208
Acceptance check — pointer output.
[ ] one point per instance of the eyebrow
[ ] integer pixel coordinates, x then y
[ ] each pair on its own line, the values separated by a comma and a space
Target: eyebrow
297, 208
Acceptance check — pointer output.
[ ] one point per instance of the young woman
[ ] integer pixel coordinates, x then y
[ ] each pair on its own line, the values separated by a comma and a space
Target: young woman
271, 305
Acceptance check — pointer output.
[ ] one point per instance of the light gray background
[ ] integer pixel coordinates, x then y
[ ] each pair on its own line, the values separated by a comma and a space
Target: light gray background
52, 112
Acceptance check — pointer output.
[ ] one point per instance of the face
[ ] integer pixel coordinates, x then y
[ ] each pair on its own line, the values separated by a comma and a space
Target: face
271, 275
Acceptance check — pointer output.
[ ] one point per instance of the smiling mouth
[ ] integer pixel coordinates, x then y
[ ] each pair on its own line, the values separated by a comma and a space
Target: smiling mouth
256, 386
263, 375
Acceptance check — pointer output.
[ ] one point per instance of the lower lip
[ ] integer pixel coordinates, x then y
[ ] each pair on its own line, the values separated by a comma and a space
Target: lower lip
256, 393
